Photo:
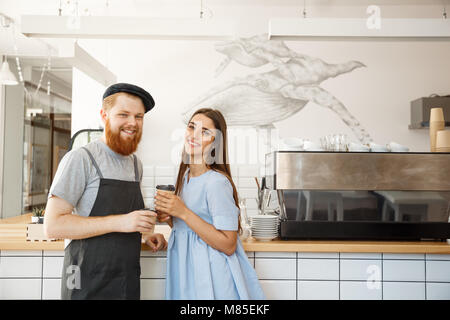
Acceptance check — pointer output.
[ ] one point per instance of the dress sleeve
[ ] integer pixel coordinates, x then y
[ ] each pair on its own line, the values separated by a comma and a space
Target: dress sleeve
221, 205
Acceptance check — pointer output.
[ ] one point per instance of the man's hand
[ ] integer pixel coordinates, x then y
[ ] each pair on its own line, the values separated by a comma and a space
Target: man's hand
155, 241
138, 221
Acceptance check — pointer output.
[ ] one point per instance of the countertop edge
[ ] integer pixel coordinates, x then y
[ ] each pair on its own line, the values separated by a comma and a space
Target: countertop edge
252, 245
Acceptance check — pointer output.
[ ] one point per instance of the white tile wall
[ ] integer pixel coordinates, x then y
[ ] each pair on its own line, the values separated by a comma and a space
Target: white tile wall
438, 271
20, 267
153, 267
403, 270
153, 289
165, 171
318, 255
268, 254
149, 171
51, 253
248, 171
403, 256
403, 290
437, 256
318, 269
281, 274
361, 270
272, 269
352, 255
12, 289
148, 182
358, 290
21, 253
53, 267
51, 289
318, 290
438, 291
279, 290
164, 180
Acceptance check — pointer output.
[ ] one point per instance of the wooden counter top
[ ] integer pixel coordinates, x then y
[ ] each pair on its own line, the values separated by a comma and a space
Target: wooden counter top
254, 245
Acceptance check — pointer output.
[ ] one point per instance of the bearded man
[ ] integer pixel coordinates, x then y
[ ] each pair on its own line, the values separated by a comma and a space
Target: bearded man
95, 202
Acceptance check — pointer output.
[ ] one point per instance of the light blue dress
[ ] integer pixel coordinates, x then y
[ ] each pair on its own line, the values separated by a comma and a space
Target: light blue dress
194, 269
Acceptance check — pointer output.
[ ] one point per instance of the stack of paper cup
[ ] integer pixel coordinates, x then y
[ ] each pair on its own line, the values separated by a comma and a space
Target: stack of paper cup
443, 141
437, 123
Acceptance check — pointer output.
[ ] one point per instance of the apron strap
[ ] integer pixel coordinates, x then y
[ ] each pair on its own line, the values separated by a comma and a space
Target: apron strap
93, 162
136, 169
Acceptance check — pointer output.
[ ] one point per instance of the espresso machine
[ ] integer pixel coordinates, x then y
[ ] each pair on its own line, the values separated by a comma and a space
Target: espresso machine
360, 195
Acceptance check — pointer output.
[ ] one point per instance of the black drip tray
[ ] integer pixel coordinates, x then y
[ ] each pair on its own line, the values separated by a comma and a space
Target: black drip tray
361, 230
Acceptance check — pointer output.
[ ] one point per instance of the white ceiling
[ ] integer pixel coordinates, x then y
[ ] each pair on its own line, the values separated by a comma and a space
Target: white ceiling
16, 8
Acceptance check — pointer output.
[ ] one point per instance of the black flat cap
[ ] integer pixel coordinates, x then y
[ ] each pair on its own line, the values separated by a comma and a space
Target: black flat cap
146, 98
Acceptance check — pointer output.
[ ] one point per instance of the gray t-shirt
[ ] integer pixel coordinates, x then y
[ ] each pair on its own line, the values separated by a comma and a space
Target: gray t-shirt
77, 180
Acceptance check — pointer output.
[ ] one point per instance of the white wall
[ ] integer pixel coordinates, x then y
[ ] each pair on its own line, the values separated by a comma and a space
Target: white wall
176, 72
13, 150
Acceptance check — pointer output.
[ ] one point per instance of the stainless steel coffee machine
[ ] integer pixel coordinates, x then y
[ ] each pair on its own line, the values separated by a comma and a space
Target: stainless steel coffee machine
358, 195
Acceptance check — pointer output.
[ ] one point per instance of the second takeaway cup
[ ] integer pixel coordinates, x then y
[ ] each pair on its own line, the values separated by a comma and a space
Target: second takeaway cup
170, 188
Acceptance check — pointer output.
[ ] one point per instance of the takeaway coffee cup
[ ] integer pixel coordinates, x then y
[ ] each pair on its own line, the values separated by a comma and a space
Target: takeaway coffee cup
170, 188
166, 188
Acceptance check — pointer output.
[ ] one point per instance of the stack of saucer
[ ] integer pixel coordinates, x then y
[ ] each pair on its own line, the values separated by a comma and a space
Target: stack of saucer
264, 227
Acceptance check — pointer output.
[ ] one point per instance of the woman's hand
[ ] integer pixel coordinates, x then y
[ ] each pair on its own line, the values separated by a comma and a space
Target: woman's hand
167, 204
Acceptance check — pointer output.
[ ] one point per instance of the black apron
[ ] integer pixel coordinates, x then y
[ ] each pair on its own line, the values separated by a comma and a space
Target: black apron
106, 266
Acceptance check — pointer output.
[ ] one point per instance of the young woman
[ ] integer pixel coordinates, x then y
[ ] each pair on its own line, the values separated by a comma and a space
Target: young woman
205, 258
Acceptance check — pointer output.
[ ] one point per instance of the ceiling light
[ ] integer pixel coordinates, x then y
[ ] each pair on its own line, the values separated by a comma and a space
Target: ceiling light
107, 27
356, 29
6, 76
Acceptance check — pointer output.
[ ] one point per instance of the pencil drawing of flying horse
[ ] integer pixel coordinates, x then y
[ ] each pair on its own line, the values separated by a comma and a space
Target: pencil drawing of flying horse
263, 98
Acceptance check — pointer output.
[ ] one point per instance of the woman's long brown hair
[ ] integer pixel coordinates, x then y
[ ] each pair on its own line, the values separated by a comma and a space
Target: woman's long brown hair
221, 154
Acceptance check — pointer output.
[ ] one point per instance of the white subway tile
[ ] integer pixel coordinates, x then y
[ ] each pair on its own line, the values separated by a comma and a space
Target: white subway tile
438, 271
354, 255
276, 254
360, 290
249, 171
153, 267
51, 253
149, 171
164, 180
403, 256
361, 270
12, 289
248, 192
234, 170
149, 202
250, 254
273, 269
252, 212
153, 289
148, 253
318, 255
51, 289
164, 171
403, 290
251, 203
21, 253
20, 267
318, 290
403, 270
148, 192
438, 291
53, 267
318, 269
245, 182
433, 256
148, 182
279, 289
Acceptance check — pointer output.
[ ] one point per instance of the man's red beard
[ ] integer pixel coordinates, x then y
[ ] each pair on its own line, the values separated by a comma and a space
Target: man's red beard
124, 147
